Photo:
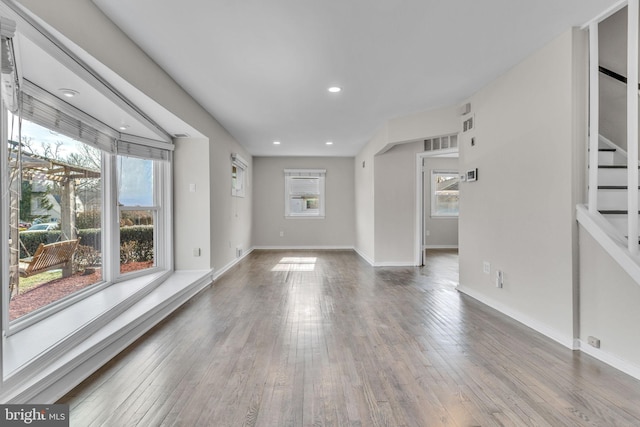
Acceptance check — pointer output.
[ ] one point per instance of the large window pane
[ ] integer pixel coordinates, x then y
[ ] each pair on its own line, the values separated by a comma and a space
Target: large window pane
56, 199
445, 195
135, 181
137, 213
136, 240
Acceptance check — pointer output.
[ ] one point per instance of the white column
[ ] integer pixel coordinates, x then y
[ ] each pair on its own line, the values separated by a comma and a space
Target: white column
632, 123
594, 116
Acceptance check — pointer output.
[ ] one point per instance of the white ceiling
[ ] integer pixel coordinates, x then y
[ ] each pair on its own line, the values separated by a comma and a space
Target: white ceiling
262, 68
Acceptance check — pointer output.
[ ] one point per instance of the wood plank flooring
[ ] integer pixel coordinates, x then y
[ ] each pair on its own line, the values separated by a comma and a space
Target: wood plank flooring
319, 338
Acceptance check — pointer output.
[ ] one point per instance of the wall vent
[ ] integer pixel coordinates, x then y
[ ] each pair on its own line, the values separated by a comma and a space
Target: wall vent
441, 143
468, 124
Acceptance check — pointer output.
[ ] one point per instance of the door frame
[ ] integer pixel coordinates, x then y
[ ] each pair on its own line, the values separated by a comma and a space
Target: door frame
418, 236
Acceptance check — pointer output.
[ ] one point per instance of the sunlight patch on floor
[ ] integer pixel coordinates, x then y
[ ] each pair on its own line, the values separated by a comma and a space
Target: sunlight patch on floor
296, 264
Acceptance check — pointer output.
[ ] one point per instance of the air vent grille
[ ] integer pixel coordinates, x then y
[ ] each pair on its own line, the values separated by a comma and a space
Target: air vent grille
441, 143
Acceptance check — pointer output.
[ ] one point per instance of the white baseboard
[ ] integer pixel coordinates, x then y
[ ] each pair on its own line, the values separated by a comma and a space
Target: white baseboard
526, 320
395, 264
610, 359
305, 248
364, 257
220, 272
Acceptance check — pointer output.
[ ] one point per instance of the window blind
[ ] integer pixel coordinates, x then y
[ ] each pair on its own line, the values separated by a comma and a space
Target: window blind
42, 108
299, 186
141, 151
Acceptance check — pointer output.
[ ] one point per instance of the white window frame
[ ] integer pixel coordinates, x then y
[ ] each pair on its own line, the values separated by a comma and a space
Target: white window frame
434, 213
239, 183
291, 174
160, 250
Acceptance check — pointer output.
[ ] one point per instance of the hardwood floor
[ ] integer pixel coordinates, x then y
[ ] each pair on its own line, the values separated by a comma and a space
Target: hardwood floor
319, 338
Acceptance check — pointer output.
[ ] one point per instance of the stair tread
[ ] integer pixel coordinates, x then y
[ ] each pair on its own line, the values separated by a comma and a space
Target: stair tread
610, 150
614, 187
615, 212
614, 166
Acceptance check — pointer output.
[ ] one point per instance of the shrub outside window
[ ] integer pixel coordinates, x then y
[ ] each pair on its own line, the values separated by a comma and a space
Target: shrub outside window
138, 212
67, 234
55, 196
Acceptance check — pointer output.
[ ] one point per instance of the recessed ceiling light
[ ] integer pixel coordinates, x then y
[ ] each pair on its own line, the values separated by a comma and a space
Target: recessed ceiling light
123, 127
276, 142
334, 89
329, 143
69, 93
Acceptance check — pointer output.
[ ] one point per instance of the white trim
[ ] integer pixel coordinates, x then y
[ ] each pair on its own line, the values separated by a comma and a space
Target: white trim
231, 264
440, 247
295, 174
594, 115
239, 161
606, 141
394, 264
633, 11
305, 248
364, 257
563, 339
625, 366
419, 212
305, 172
605, 14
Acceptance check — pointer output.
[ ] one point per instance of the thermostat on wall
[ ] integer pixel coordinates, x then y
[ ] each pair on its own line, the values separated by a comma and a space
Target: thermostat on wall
472, 175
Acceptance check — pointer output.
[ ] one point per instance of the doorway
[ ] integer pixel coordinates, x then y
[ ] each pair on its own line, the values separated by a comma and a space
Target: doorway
437, 178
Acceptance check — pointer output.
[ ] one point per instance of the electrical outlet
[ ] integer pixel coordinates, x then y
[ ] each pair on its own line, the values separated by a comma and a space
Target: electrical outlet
428, 233
486, 267
282, 234
499, 279
196, 251
593, 342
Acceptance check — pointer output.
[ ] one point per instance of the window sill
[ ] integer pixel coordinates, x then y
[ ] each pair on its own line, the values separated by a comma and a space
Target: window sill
37, 357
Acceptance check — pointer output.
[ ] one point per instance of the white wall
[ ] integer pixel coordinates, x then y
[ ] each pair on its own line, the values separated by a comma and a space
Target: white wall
395, 204
229, 218
609, 300
191, 161
336, 230
376, 238
443, 231
520, 214
365, 196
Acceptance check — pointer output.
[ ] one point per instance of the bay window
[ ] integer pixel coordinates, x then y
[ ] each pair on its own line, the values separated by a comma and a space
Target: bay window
77, 184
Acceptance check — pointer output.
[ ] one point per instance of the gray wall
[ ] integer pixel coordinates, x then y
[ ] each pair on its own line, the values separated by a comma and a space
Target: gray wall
520, 214
608, 305
336, 230
612, 33
395, 204
224, 222
378, 230
442, 231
